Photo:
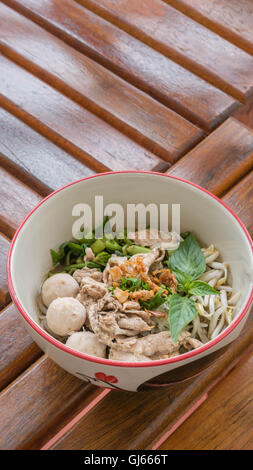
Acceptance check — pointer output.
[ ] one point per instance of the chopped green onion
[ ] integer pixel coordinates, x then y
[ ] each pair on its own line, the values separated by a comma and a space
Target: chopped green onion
98, 246
135, 249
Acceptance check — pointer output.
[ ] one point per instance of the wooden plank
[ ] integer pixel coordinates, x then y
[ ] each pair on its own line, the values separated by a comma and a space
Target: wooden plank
147, 414
220, 160
240, 199
16, 201
67, 124
131, 111
182, 39
39, 403
17, 349
244, 114
226, 417
139, 64
34, 159
232, 19
4, 292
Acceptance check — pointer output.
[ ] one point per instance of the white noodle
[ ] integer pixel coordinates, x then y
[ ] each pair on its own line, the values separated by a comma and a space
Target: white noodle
211, 274
218, 327
234, 299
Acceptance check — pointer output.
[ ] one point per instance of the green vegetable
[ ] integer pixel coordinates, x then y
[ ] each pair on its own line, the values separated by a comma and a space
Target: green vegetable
187, 263
56, 258
75, 247
184, 234
188, 259
201, 288
112, 246
75, 266
182, 311
135, 249
88, 240
132, 284
102, 258
155, 302
98, 246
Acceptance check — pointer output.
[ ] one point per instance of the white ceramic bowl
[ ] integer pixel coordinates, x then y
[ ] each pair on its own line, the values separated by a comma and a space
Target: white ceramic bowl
50, 223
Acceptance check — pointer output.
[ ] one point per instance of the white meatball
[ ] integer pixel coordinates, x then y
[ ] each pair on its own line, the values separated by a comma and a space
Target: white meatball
65, 315
86, 342
59, 285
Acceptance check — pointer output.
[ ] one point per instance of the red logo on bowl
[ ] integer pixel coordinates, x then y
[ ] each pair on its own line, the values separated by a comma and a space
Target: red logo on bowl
106, 378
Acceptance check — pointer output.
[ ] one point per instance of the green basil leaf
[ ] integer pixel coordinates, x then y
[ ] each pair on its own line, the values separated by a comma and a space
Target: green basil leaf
182, 310
188, 258
201, 288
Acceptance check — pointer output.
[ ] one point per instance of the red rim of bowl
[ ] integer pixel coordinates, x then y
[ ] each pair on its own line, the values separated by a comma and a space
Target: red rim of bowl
108, 362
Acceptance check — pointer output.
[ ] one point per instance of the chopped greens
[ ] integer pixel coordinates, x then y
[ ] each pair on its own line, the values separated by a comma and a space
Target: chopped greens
187, 263
155, 302
132, 284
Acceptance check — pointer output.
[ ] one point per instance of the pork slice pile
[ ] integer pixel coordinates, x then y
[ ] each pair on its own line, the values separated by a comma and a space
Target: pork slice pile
124, 327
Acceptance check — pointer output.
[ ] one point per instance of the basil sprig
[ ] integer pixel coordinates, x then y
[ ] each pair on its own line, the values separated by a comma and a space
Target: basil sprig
187, 263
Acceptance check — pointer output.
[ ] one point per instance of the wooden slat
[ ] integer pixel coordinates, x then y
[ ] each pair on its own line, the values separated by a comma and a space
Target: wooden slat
17, 349
162, 78
182, 39
147, 414
220, 160
4, 292
131, 111
70, 126
16, 201
232, 19
240, 199
244, 114
39, 403
35, 160
224, 421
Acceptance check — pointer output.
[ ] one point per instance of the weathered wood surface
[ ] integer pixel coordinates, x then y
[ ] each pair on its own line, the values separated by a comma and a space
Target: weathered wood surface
131, 111
17, 349
220, 160
67, 124
35, 160
229, 407
16, 201
4, 292
136, 62
184, 40
232, 19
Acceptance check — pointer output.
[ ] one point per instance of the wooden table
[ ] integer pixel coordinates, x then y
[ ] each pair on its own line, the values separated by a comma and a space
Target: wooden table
92, 85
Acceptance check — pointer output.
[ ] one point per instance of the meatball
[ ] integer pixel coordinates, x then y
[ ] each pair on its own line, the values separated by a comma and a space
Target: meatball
65, 315
86, 342
59, 285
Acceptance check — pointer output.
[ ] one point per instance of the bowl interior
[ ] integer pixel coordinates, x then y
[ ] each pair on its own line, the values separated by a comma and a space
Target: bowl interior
51, 224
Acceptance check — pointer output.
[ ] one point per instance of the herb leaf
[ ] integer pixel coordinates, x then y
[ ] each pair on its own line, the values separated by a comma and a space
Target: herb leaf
155, 302
182, 310
56, 258
201, 288
188, 259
